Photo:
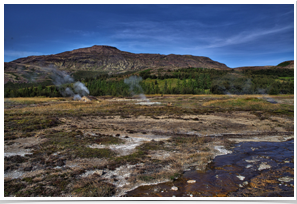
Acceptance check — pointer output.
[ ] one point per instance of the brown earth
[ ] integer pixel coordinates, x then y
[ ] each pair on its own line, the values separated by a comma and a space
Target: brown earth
144, 148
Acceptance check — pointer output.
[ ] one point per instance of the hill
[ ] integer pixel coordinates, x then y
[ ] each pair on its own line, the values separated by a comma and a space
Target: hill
284, 65
100, 58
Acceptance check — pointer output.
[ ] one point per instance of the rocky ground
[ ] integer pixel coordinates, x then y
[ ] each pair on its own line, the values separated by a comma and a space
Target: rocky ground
113, 146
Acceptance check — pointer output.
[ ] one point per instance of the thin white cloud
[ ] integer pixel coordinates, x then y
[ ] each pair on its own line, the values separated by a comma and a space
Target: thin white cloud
12, 53
84, 33
246, 37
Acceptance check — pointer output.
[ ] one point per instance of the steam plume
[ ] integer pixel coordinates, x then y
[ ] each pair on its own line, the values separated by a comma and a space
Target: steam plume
80, 88
61, 78
135, 88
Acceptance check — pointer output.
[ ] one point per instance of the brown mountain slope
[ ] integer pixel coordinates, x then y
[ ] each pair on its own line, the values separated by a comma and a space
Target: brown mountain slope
103, 58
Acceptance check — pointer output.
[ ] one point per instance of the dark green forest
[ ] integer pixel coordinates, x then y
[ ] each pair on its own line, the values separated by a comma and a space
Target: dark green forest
182, 81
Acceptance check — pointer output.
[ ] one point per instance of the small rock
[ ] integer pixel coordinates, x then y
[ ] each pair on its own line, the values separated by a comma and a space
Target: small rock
264, 166
191, 181
217, 176
99, 172
285, 179
240, 177
240, 185
174, 188
245, 183
248, 166
191, 195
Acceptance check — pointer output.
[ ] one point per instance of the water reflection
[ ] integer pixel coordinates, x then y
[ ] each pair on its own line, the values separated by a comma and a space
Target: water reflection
253, 169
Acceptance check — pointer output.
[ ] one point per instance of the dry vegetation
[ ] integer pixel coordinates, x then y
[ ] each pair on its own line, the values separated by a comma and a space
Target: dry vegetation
125, 145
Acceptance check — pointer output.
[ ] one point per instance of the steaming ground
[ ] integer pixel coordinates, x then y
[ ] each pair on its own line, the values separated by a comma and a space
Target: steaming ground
164, 154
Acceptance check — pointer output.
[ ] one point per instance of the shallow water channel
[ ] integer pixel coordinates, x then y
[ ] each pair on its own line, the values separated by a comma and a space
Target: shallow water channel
252, 169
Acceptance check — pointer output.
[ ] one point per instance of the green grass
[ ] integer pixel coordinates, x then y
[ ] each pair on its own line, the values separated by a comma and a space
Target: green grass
161, 83
285, 79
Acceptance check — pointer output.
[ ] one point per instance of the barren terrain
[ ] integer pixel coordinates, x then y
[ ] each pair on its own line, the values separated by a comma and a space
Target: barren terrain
60, 147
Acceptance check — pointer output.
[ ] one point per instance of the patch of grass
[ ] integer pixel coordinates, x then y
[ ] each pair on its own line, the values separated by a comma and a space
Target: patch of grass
105, 140
194, 140
153, 145
246, 104
88, 187
145, 178
28, 179
34, 100
74, 146
35, 123
131, 158
26, 124
11, 187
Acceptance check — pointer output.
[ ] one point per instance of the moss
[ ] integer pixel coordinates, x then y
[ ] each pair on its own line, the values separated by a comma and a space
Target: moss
153, 145
75, 147
93, 153
12, 187
27, 124
96, 188
28, 179
133, 158
145, 178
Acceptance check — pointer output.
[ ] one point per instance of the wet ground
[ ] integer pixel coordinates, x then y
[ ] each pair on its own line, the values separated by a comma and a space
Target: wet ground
253, 169
61, 148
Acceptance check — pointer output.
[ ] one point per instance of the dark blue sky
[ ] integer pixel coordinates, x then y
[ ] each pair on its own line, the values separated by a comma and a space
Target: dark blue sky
237, 35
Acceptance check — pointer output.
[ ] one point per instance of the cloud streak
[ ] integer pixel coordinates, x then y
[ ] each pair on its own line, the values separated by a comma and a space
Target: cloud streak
13, 53
244, 37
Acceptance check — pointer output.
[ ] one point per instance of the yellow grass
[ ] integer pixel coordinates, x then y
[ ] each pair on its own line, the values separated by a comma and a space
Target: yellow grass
34, 99
242, 102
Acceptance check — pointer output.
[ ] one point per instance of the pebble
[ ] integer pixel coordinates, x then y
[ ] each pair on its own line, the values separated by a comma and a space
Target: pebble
240, 177
248, 166
285, 179
191, 195
174, 188
264, 166
191, 181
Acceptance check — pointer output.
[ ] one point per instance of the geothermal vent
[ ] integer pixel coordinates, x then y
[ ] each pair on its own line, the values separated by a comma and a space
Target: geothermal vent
88, 98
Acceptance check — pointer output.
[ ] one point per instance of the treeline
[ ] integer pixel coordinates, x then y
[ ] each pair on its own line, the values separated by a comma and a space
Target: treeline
265, 81
198, 85
182, 81
184, 73
41, 90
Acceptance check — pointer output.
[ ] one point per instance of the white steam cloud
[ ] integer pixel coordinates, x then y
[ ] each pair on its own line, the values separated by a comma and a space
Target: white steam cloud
61, 78
80, 88
135, 88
